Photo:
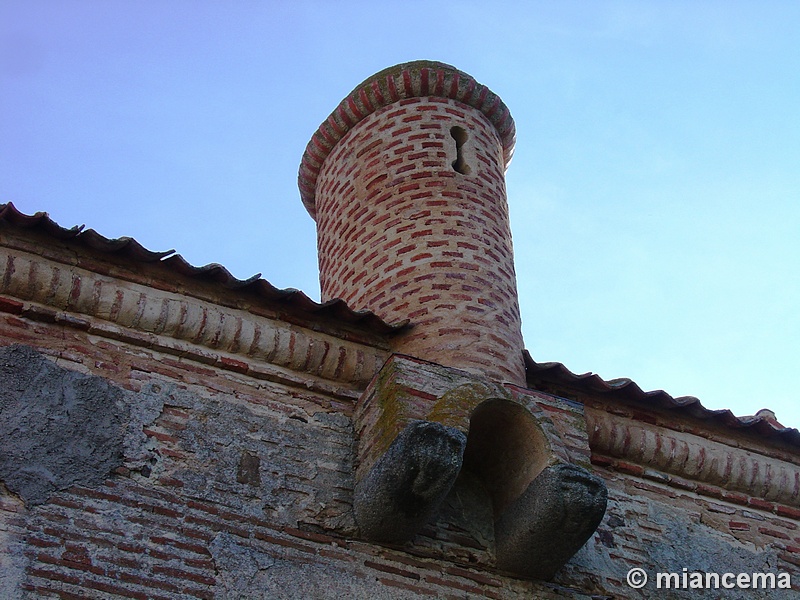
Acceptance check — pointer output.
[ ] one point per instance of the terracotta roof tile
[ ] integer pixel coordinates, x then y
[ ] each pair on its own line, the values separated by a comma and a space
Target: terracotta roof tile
129, 248
763, 423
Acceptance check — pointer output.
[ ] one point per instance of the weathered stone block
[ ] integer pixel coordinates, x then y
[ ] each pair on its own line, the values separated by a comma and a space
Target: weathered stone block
545, 526
58, 427
409, 482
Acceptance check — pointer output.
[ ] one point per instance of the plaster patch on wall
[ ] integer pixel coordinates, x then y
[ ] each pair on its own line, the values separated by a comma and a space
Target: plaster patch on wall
142, 455
238, 566
246, 573
149, 403
59, 427
62, 428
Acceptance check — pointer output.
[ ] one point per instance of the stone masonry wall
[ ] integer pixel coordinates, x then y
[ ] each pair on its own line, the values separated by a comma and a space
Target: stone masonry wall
232, 486
148, 452
160, 457
229, 487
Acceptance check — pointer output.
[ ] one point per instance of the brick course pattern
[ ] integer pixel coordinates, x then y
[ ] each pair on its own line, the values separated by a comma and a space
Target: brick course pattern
412, 223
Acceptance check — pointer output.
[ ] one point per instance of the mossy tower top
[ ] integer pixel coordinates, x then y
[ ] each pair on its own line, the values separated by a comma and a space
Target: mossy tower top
407, 80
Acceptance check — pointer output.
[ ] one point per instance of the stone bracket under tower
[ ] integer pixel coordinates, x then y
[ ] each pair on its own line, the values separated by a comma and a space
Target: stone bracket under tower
419, 425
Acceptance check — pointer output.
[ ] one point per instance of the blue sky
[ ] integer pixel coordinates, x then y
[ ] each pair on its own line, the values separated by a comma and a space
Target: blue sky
654, 192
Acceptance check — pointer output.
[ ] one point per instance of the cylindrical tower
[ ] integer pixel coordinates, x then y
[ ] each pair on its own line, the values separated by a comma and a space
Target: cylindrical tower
405, 180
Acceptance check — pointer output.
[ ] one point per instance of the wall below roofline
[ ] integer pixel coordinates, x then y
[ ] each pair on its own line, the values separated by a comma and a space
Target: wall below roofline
234, 467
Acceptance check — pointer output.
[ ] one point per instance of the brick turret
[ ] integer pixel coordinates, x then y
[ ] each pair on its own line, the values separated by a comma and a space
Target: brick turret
405, 180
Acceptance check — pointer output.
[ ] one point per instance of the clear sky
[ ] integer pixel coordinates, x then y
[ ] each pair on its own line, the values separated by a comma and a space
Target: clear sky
654, 193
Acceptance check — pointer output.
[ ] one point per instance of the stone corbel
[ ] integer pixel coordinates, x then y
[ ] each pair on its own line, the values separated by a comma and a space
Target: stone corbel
420, 424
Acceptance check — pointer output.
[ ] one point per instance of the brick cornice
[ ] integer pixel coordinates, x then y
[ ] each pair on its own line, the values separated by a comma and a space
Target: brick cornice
691, 458
175, 323
420, 78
